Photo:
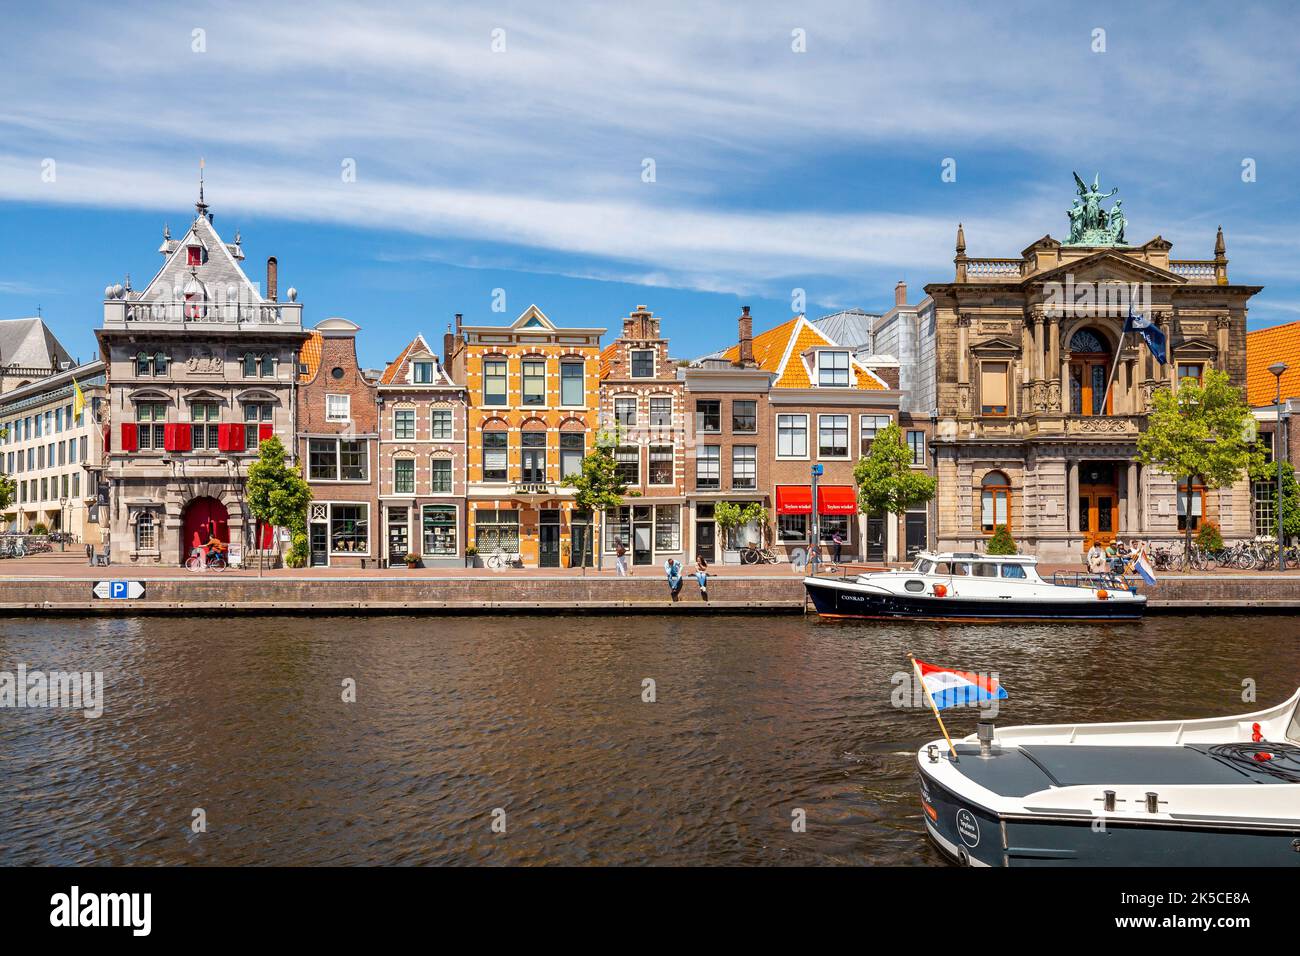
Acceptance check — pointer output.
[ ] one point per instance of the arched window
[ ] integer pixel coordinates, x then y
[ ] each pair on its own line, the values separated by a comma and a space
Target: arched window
144, 364
1089, 373
267, 367
159, 363
995, 501
250, 365
145, 538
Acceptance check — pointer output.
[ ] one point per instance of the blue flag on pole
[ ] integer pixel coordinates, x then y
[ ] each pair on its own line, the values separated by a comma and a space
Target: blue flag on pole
1151, 333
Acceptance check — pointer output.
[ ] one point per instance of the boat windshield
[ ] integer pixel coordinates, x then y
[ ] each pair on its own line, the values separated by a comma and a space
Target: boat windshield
1013, 571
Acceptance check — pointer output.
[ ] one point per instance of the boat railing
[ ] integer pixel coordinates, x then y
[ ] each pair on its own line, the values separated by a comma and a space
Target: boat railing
1105, 580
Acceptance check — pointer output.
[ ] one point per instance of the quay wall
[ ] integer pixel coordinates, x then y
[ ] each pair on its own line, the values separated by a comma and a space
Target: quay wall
489, 593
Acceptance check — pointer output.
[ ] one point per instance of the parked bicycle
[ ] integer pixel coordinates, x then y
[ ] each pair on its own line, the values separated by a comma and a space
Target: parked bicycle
499, 560
751, 554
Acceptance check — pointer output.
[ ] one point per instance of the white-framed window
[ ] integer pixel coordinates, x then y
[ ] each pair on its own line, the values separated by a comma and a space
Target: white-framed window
338, 459
146, 533
404, 424
534, 381
661, 464
494, 382
791, 436
833, 369
572, 384
572, 450
338, 408
441, 424
744, 467
628, 458
422, 372
832, 436
708, 471
440, 476
438, 524
642, 362
403, 476
661, 411
870, 426
625, 411
349, 528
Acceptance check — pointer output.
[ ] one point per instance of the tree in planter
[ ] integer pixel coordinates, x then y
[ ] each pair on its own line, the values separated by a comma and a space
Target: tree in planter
596, 487
278, 496
1001, 542
730, 516
886, 479
1290, 497
1199, 431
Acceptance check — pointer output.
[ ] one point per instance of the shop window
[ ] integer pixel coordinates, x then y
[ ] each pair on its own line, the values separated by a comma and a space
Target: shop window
438, 525
349, 529
668, 528
792, 528
829, 525
495, 529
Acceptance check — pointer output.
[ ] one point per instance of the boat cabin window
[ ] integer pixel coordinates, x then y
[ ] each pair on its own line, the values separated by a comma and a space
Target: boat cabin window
925, 567
1013, 571
914, 586
961, 567
983, 570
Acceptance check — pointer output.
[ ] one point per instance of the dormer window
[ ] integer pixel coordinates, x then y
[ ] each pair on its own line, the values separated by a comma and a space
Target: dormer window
833, 369
643, 363
422, 373
194, 255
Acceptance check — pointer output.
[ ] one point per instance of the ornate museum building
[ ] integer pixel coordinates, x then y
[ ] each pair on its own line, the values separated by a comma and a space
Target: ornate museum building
1041, 398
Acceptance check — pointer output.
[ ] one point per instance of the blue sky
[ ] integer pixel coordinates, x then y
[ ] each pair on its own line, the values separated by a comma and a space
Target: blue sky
522, 169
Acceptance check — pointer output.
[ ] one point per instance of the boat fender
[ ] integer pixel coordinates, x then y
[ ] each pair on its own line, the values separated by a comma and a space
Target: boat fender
1255, 733
1102, 595
940, 590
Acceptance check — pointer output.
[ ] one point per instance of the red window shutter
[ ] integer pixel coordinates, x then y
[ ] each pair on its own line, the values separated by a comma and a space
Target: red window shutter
176, 437
230, 437
130, 437
265, 431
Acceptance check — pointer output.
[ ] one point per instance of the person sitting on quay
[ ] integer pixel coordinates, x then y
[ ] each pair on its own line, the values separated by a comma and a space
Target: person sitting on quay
674, 572
1096, 559
702, 576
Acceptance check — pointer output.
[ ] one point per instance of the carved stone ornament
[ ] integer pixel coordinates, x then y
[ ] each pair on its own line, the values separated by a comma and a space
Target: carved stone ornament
204, 363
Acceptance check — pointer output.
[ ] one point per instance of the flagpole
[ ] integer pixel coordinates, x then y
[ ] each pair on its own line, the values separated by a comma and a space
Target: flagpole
916, 669
1113, 367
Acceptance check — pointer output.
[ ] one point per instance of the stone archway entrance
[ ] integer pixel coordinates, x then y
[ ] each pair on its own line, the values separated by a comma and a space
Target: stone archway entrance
203, 516
1098, 503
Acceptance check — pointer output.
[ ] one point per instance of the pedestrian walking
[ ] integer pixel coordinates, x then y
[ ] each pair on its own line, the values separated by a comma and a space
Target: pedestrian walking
620, 557
674, 571
837, 545
702, 577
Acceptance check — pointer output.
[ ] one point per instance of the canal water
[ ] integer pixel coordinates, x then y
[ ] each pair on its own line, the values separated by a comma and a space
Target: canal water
543, 718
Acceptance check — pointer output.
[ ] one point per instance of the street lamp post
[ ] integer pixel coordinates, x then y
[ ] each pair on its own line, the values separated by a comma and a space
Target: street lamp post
1279, 453
63, 527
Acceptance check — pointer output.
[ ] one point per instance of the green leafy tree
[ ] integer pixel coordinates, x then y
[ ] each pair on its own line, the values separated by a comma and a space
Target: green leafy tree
1208, 537
8, 488
730, 516
278, 496
886, 480
597, 487
1001, 542
1290, 497
1199, 431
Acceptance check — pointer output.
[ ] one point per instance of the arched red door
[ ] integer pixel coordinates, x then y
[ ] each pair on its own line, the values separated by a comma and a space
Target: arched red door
204, 517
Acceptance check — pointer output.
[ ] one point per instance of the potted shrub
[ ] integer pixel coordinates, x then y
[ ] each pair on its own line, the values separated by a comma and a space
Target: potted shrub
39, 528
471, 557
1208, 537
733, 517
412, 560
1001, 542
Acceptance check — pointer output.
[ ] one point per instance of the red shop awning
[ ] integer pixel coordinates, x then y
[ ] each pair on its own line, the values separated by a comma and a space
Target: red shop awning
836, 500
793, 500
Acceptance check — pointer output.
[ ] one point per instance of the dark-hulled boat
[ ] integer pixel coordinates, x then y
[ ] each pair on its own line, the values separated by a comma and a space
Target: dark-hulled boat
955, 586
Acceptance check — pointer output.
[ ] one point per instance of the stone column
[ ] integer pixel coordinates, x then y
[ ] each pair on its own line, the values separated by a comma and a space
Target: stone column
1131, 511
1072, 496
1054, 362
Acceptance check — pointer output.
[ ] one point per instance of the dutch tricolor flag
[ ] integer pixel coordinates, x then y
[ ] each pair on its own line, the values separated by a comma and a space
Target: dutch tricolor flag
1143, 567
948, 687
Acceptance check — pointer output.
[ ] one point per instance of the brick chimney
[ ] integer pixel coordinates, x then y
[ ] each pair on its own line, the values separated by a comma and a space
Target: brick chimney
272, 277
900, 294
746, 323
448, 345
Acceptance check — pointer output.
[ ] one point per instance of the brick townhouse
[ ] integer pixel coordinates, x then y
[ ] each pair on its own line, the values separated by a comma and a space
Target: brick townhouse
423, 418
338, 436
823, 407
642, 400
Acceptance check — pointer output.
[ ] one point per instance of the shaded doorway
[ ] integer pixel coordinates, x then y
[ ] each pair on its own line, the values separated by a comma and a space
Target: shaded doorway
203, 518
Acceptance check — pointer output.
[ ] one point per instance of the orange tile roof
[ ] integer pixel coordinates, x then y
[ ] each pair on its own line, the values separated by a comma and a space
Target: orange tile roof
1264, 347
770, 348
607, 357
309, 356
395, 366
